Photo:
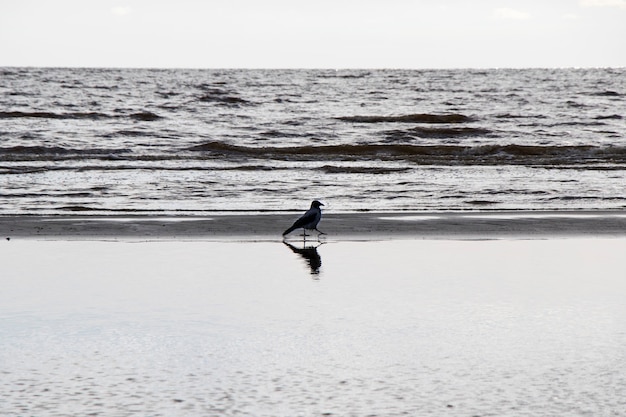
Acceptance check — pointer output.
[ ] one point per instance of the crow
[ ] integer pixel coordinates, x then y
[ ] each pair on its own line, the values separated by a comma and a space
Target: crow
309, 220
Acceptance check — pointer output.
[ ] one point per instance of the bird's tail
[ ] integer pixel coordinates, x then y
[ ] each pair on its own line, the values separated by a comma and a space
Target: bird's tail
291, 229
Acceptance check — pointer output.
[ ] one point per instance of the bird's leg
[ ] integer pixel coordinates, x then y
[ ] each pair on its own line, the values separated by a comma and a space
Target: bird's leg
319, 231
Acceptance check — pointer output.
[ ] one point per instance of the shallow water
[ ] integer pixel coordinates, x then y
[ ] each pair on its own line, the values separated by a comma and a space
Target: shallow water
407, 327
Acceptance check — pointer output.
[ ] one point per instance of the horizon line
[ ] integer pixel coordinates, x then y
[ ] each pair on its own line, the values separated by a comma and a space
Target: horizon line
304, 68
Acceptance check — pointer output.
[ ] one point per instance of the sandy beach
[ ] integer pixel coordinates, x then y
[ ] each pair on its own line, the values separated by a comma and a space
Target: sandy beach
361, 226
456, 314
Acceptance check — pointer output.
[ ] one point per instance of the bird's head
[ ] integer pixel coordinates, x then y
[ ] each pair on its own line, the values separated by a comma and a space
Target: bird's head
316, 204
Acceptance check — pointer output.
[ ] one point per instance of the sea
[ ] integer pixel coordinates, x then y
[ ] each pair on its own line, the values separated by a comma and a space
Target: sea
194, 142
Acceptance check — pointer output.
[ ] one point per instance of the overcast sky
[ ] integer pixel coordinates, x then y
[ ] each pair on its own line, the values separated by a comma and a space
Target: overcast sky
313, 33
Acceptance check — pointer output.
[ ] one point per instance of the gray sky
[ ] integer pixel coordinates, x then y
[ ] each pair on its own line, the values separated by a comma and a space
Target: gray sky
313, 33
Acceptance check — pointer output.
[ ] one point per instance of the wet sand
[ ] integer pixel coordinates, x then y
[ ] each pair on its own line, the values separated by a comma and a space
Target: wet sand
362, 226
183, 317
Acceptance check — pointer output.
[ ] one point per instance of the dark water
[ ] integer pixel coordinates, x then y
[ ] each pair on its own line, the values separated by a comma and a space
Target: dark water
195, 141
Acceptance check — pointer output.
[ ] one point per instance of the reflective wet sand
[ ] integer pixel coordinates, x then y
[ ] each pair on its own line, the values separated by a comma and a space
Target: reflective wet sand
177, 327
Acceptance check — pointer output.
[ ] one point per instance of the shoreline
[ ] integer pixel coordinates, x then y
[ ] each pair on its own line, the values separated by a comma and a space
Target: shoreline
255, 326
337, 226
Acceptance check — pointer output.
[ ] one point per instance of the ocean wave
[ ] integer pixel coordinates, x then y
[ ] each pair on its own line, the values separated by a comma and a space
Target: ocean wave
282, 134
78, 194
38, 153
352, 74
607, 93
220, 96
140, 116
427, 154
222, 99
428, 132
520, 116
129, 133
409, 118
610, 117
334, 169
145, 116
52, 115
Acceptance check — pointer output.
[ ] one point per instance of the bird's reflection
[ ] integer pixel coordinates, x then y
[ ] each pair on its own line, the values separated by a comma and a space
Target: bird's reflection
309, 253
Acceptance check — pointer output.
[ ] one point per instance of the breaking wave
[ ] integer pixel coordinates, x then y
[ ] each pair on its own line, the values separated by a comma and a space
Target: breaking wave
428, 132
39, 153
409, 118
211, 94
427, 154
140, 116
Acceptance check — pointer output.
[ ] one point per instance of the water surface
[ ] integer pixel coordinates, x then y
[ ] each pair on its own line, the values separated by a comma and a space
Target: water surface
404, 327
110, 141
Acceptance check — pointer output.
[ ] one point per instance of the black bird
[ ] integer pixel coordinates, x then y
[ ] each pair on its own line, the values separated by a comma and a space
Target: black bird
309, 220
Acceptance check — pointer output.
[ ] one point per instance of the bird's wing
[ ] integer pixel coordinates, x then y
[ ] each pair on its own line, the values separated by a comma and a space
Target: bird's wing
306, 218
